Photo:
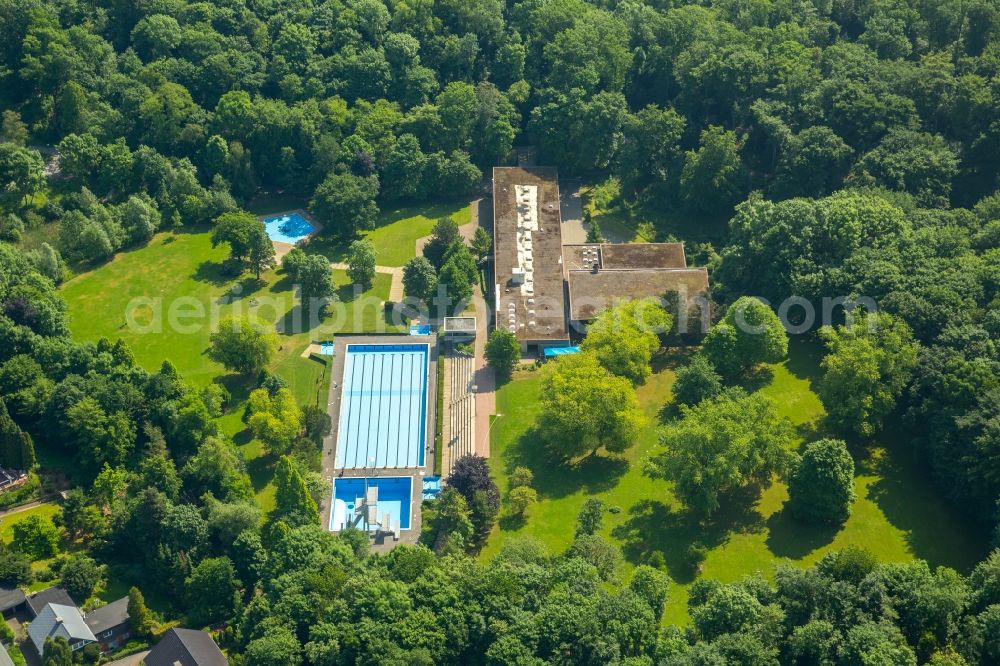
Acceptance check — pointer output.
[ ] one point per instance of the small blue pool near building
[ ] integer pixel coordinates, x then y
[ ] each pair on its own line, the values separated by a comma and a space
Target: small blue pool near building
288, 227
390, 509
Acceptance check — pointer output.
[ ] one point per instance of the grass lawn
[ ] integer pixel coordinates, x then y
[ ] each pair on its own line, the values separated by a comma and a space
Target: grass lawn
396, 232
7, 536
181, 273
898, 514
7, 524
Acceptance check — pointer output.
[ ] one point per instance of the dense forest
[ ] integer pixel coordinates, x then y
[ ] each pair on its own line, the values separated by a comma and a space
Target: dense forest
814, 148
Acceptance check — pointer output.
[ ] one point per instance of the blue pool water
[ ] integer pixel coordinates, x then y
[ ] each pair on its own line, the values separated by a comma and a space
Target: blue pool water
393, 498
432, 487
383, 407
288, 228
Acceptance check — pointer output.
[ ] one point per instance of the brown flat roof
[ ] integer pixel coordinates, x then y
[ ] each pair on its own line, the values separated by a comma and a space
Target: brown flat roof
539, 313
624, 255
590, 292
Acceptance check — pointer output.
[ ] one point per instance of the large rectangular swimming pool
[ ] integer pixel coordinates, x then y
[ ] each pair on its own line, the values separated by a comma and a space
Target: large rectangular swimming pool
393, 499
383, 407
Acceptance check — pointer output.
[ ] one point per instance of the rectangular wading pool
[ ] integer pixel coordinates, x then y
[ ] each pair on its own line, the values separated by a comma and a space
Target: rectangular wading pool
393, 499
383, 410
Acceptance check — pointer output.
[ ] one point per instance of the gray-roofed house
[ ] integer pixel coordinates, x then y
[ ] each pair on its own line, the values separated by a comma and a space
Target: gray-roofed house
50, 595
11, 600
186, 647
110, 624
59, 620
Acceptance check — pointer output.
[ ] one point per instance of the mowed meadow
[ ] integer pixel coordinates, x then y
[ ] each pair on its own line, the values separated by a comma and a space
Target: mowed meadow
898, 516
164, 298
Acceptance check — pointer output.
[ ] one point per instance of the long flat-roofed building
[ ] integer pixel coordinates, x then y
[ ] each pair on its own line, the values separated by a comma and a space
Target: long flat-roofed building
528, 258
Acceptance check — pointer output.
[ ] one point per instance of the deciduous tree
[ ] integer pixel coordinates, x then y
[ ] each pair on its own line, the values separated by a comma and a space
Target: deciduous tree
316, 283
519, 499
584, 407
624, 337
419, 279
36, 537
868, 365
503, 352
361, 263
821, 489
241, 346
345, 204
80, 577
749, 334
275, 420
237, 229
721, 445
696, 381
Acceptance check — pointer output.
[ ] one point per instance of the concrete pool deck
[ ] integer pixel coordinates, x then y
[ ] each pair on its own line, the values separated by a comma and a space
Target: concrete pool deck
334, 396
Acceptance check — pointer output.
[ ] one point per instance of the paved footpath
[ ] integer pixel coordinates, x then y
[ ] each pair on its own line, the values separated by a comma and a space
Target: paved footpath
485, 381
486, 400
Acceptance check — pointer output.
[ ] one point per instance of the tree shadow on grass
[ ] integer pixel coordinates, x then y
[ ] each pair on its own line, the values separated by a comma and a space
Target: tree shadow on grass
805, 353
245, 287
284, 284
670, 358
788, 537
557, 478
671, 411
347, 293
906, 493
238, 386
295, 321
334, 249
757, 378
212, 272
653, 526
260, 471
811, 431
510, 522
